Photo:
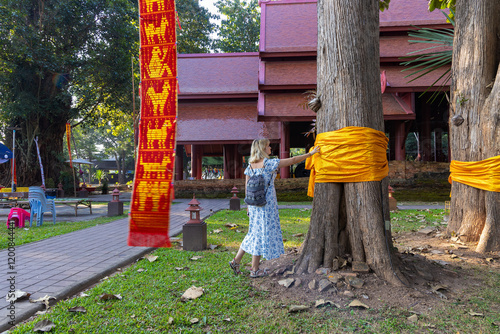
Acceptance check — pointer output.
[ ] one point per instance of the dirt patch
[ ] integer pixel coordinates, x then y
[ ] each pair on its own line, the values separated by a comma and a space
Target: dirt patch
439, 270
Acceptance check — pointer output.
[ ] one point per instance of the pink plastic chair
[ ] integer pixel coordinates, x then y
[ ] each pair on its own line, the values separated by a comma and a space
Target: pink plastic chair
21, 215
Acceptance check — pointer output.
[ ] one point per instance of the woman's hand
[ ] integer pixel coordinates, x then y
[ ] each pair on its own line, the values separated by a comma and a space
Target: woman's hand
315, 150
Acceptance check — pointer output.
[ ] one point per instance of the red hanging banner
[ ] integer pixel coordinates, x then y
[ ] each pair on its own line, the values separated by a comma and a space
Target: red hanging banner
152, 195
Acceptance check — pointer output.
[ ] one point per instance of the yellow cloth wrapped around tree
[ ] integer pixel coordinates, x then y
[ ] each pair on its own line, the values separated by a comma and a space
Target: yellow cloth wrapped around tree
351, 154
484, 174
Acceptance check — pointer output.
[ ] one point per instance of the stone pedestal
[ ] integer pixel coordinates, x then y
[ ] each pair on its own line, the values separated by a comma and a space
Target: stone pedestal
60, 193
234, 204
82, 193
194, 236
115, 209
393, 204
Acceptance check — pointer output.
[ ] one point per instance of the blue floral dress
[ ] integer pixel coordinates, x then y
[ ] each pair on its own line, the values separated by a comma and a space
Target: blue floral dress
264, 233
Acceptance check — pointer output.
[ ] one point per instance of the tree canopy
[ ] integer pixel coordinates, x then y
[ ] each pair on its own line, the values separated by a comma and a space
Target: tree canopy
193, 36
240, 31
60, 61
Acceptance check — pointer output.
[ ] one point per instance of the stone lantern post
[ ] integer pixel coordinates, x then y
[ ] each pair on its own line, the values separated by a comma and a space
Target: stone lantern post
115, 207
234, 202
194, 231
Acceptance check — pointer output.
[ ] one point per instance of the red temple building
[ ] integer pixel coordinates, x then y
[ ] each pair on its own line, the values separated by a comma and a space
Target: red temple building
228, 100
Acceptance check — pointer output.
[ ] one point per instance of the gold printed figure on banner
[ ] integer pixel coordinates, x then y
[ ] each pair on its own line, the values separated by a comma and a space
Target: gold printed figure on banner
155, 167
159, 98
145, 190
160, 3
160, 135
158, 64
151, 30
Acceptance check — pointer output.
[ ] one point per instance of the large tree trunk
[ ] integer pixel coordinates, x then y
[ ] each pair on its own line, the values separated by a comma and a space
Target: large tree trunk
349, 218
475, 96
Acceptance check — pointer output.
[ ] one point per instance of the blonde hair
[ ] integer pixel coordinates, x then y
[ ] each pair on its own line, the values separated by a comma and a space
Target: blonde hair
258, 150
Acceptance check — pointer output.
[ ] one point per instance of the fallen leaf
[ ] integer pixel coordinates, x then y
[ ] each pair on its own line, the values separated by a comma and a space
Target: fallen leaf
44, 326
297, 308
132, 316
413, 318
170, 320
140, 270
194, 320
181, 268
17, 295
40, 312
475, 314
298, 235
192, 293
78, 309
218, 231
227, 319
212, 247
46, 300
489, 259
321, 302
195, 258
109, 296
357, 303
230, 225
83, 294
151, 258
438, 287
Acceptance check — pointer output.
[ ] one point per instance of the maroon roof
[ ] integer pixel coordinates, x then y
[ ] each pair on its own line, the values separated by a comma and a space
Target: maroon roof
219, 122
291, 25
290, 107
219, 73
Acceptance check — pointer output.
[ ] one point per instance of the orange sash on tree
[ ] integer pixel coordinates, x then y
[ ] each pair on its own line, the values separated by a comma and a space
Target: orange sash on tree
351, 154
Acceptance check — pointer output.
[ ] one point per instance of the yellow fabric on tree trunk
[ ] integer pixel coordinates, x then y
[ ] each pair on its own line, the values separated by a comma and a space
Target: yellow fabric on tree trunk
484, 174
351, 154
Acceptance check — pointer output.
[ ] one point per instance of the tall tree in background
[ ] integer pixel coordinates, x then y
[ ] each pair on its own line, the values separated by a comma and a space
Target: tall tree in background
475, 118
61, 60
240, 32
349, 217
194, 33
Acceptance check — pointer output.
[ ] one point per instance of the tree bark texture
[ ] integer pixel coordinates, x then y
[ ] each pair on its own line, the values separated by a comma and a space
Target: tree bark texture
475, 96
349, 218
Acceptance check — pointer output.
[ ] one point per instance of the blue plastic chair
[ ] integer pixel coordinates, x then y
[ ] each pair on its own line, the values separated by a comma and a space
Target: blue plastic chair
39, 204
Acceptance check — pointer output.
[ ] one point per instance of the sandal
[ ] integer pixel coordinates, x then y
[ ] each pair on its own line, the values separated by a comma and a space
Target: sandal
235, 266
258, 273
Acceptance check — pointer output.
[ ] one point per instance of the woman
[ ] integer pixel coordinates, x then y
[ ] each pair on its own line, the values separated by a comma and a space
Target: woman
264, 233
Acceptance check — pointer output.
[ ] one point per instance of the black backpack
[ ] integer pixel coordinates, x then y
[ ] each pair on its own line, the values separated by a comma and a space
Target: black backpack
256, 190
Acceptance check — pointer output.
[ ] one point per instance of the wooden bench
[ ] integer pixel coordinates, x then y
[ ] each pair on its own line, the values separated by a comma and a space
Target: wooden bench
86, 203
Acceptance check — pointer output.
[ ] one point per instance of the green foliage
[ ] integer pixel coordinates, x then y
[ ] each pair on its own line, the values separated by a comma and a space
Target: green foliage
414, 220
241, 30
383, 4
442, 4
194, 34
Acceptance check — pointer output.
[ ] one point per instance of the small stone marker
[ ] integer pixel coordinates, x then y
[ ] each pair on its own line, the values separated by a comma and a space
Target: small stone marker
312, 285
427, 230
360, 267
322, 271
354, 282
324, 284
334, 278
348, 293
286, 282
335, 264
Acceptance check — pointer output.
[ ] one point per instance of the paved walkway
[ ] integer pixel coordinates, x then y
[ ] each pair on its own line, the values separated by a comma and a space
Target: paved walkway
64, 265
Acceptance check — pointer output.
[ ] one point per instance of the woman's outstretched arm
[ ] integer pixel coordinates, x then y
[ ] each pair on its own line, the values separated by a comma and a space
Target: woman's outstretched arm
295, 160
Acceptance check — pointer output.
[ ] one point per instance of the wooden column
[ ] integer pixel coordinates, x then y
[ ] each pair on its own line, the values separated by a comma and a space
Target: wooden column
399, 141
196, 159
284, 148
228, 161
238, 163
179, 162
425, 135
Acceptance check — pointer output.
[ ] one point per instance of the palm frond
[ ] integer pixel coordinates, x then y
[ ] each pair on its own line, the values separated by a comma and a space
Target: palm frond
425, 61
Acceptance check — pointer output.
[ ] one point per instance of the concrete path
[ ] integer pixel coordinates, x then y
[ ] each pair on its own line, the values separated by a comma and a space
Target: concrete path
64, 265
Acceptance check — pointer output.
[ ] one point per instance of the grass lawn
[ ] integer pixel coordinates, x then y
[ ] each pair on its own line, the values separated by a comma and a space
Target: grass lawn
48, 229
151, 295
